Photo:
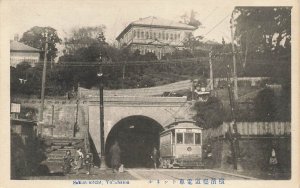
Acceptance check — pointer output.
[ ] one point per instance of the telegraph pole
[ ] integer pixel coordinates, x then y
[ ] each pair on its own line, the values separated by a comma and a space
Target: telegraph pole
51, 62
43, 82
123, 76
235, 89
101, 117
233, 136
211, 77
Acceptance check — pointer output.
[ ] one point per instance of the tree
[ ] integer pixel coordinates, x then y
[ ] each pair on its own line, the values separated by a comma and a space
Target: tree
86, 44
265, 106
191, 42
89, 44
263, 31
191, 19
35, 37
24, 79
209, 114
83, 37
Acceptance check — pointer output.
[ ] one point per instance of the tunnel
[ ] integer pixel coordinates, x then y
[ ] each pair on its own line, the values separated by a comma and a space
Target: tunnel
137, 136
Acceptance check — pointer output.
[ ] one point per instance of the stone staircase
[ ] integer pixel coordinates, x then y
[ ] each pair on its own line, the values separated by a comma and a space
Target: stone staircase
56, 149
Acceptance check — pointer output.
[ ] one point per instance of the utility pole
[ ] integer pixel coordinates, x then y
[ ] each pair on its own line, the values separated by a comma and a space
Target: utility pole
43, 83
235, 90
211, 76
233, 136
123, 75
51, 62
193, 86
232, 119
101, 117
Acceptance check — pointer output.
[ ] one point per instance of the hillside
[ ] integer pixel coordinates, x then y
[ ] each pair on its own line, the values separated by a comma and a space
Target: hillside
150, 91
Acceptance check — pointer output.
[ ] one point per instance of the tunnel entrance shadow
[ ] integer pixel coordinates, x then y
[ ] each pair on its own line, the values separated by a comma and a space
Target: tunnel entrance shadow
137, 136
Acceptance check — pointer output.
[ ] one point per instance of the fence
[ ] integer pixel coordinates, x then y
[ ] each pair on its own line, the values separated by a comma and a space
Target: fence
252, 129
252, 81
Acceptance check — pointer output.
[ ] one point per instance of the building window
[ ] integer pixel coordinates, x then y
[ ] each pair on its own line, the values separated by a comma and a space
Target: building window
175, 36
167, 36
178, 36
163, 36
150, 35
134, 34
159, 35
147, 35
142, 34
171, 36
138, 34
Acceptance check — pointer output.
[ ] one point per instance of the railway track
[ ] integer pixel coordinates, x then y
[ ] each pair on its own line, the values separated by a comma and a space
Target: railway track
178, 174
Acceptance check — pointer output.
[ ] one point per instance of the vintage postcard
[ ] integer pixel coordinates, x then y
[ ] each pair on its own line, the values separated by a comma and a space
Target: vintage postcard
149, 93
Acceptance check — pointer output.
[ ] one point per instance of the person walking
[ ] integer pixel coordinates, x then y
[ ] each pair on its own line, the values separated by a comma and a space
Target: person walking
115, 153
67, 162
88, 163
154, 157
273, 163
79, 160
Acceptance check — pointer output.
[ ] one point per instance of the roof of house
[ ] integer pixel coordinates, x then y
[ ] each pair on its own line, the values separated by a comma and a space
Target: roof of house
156, 22
18, 46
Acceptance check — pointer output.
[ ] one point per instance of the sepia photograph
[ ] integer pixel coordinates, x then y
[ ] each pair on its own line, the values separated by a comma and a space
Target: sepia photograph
185, 93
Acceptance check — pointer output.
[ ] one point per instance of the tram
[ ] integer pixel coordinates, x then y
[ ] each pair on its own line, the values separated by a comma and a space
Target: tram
181, 145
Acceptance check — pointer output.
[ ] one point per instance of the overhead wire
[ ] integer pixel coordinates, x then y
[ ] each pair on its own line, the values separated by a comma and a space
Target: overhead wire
206, 17
141, 63
216, 25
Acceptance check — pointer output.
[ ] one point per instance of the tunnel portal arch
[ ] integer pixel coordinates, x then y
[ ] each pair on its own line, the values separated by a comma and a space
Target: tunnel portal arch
137, 136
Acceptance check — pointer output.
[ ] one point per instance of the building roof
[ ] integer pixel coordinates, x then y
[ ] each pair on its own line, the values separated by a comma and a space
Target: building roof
156, 22
20, 47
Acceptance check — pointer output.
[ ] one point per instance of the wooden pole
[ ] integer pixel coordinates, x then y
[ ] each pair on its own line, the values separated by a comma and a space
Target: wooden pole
235, 88
51, 62
123, 76
231, 136
211, 77
43, 83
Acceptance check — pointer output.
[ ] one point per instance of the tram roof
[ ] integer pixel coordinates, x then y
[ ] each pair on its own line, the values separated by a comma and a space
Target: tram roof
181, 125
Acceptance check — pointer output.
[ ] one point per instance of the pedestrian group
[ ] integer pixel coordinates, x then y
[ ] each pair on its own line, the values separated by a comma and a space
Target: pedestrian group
80, 161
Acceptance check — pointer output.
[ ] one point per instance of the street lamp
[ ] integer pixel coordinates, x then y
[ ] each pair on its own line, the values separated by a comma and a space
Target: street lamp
101, 117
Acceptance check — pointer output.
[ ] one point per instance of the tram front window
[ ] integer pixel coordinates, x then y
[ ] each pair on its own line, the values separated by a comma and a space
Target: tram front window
189, 138
197, 138
179, 138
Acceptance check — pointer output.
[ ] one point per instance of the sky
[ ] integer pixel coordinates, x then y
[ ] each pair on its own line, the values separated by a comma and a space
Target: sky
63, 15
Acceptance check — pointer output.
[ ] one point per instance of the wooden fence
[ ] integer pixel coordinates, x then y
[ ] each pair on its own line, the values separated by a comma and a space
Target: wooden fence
252, 129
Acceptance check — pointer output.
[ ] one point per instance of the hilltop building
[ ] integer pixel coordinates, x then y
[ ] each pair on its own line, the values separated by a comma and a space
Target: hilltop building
156, 35
20, 52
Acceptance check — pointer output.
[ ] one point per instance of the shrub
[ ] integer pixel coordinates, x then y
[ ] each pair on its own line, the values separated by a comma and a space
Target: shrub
209, 114
265, 106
